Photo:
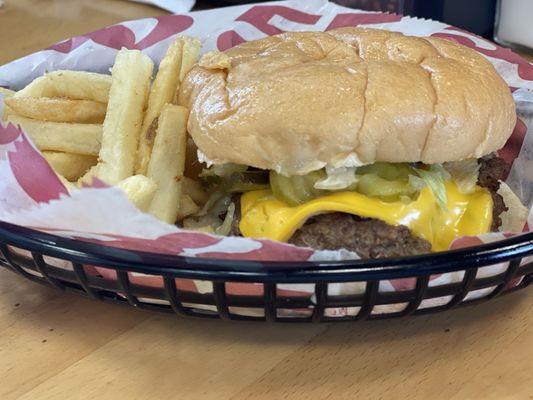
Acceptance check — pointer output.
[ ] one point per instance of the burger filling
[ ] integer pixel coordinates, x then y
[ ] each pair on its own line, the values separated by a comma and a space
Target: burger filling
378, 210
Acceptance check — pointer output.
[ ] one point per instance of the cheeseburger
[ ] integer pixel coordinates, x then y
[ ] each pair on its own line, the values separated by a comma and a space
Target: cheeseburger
362, 139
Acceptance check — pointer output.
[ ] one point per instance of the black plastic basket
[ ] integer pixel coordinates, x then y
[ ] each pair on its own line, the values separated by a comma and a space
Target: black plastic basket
29, 253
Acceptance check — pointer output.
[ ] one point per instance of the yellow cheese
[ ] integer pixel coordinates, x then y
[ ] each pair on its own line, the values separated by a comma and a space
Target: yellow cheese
264, 216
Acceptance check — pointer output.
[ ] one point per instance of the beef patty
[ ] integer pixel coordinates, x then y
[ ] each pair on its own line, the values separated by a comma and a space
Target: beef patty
372, 238
492, 169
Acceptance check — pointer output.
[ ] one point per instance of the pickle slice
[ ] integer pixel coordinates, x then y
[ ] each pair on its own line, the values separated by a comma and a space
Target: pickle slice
388, 171
387, 181
375, 186
296, 190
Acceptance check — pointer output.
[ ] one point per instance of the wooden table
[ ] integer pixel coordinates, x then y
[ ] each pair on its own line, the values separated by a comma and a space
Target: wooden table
57, 346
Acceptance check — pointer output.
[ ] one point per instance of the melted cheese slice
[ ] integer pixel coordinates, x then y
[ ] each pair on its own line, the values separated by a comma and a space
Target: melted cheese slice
264, 216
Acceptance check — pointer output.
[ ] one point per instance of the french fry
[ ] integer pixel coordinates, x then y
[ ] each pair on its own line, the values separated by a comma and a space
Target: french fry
68, 185
139, 189
162, 92
187, 207
194, 190
77, 85
168, 162
71, 166
191, 51
60, 136
6, 92
58, 109
87, 178
122, 125
6, 113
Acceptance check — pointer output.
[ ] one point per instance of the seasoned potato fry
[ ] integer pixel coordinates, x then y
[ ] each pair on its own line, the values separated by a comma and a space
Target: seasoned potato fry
58, 109
168, 162
163, 89
187, 207
122, 125
60, 136
71, 166
77, 85
194, 190
139, 189
6, 92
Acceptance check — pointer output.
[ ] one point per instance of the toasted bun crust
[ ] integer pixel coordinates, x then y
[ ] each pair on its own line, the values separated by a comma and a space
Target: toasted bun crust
297, 102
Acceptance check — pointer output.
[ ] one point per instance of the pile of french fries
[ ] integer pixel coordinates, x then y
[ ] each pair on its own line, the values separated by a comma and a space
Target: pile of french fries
121, 128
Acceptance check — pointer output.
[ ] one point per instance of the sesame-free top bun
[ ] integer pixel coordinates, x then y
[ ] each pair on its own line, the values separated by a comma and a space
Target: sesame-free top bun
297, 102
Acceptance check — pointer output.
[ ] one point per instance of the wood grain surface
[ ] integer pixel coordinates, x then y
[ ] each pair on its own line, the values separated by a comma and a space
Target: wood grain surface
58, 346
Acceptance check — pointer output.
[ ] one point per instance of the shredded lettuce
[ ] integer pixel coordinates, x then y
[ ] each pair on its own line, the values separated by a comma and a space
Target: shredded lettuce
208, 219
225, 228
464, 173
416, 182
207, 223
434, 178
217, 203
234, 178
222, 170
337, 179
